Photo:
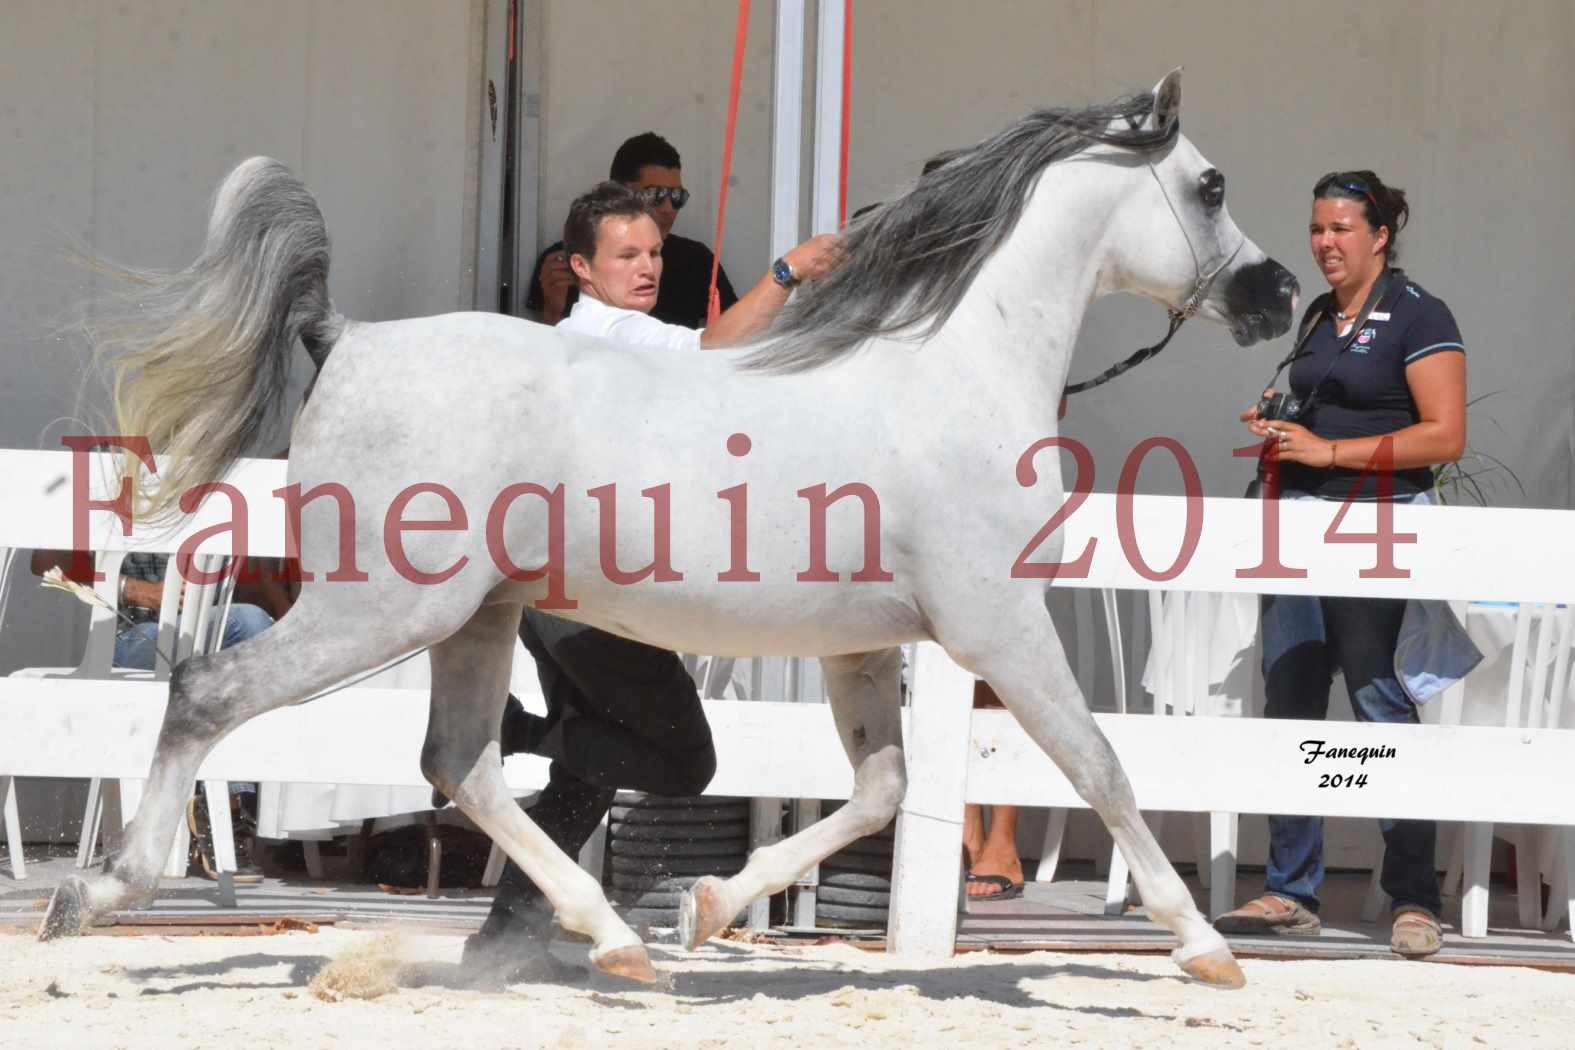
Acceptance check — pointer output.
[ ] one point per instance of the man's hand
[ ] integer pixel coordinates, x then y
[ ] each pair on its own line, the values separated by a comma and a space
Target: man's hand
816, 257
556, 280
810, 261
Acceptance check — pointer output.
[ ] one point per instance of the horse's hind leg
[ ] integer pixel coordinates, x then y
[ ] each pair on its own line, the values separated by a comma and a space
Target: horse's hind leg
210, 696
864, 690
470, 683
1038, 687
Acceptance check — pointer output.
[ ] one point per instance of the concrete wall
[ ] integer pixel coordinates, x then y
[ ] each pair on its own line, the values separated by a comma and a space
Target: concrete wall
616, 68
117, 121
1469, 107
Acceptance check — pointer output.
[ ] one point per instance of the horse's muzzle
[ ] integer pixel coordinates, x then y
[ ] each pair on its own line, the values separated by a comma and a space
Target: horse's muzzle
1259, 300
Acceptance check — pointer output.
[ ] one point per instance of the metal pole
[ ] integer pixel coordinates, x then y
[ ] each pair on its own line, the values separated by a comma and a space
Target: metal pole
787, 126
829, 43
787, 161
824, 218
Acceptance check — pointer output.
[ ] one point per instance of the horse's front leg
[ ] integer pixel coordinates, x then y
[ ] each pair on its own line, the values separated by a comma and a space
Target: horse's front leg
1026, 666
470, 684
864, 690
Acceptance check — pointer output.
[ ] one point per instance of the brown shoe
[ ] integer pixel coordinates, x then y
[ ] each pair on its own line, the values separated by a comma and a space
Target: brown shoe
1416, 933
1271, 913
247, 873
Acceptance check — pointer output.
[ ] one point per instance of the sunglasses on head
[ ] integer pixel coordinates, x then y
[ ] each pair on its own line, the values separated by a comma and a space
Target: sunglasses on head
1351, 184
653, 196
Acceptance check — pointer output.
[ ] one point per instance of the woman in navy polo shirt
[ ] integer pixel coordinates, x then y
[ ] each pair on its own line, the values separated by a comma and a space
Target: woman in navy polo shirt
1379, 388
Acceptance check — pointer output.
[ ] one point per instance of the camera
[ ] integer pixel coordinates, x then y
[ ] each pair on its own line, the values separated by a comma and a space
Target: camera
1280, 406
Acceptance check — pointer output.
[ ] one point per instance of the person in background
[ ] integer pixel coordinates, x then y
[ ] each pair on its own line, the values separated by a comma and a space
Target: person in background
1380, 379
260, 600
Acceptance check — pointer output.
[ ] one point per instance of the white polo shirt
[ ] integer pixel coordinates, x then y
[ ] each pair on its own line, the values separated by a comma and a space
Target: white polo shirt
595, 318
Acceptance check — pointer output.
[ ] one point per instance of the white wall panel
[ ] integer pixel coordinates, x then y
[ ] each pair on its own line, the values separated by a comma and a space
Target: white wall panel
117, 120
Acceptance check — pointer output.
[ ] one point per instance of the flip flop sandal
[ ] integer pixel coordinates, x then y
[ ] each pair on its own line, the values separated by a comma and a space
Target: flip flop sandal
1271, 913
1005, 888
1416, 933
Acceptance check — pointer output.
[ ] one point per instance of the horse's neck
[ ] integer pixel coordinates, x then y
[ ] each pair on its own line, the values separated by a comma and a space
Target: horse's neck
1020, 318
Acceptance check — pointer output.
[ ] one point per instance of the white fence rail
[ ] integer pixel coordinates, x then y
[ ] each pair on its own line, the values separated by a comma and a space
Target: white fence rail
955, 754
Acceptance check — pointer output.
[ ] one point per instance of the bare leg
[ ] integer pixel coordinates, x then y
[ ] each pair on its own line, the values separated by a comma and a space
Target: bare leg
864, 692
470, 675
973, 833
996, 853
993, 852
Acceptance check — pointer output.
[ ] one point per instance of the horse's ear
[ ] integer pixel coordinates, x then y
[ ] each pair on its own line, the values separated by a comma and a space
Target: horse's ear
1167, 99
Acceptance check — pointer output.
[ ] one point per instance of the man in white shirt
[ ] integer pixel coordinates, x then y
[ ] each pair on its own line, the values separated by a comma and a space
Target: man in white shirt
650, 166
620, 714
615, 250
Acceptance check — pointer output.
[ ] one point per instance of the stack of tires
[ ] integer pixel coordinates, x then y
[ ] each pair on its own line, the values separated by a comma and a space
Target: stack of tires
855, 883
657, 847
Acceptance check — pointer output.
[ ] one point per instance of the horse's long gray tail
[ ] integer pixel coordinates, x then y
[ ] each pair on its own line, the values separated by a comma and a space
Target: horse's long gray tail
200, 358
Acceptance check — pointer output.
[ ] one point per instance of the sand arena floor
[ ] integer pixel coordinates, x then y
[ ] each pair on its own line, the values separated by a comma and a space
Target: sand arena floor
153, 992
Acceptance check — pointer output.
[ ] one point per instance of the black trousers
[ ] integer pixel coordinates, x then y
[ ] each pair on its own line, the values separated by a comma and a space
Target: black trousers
620, 714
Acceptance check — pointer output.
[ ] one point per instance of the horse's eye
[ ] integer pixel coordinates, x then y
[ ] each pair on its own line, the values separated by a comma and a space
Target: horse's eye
1211, 188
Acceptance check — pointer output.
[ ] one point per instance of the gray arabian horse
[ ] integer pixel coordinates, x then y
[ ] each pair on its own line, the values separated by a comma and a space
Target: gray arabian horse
913, 377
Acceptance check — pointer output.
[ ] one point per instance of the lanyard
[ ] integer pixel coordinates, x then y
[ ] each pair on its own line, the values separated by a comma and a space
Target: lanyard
1374, 298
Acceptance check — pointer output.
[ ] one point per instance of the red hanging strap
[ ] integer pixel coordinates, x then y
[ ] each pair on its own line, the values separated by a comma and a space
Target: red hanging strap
740, 38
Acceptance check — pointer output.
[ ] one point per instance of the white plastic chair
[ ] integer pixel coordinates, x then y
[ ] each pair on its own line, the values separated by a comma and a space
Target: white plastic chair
1544, 635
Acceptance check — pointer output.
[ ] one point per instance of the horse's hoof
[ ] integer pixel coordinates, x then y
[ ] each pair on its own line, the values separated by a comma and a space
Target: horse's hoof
1218, 967
67, 910
701, 913
631, 962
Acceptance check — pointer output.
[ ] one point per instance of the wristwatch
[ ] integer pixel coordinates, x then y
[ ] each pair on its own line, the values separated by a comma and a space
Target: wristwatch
782, 273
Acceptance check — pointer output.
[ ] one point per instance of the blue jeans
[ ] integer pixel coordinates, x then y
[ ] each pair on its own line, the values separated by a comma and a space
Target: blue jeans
1304, 640
136, 647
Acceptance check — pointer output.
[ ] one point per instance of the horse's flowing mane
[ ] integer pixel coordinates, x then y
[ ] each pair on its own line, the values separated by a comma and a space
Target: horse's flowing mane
911, 260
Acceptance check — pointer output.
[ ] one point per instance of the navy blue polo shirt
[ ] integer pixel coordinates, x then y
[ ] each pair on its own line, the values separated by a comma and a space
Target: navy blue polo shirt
1365, 393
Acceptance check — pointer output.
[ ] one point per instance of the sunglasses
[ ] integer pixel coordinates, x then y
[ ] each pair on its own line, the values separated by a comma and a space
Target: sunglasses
653, 196
1350, 184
